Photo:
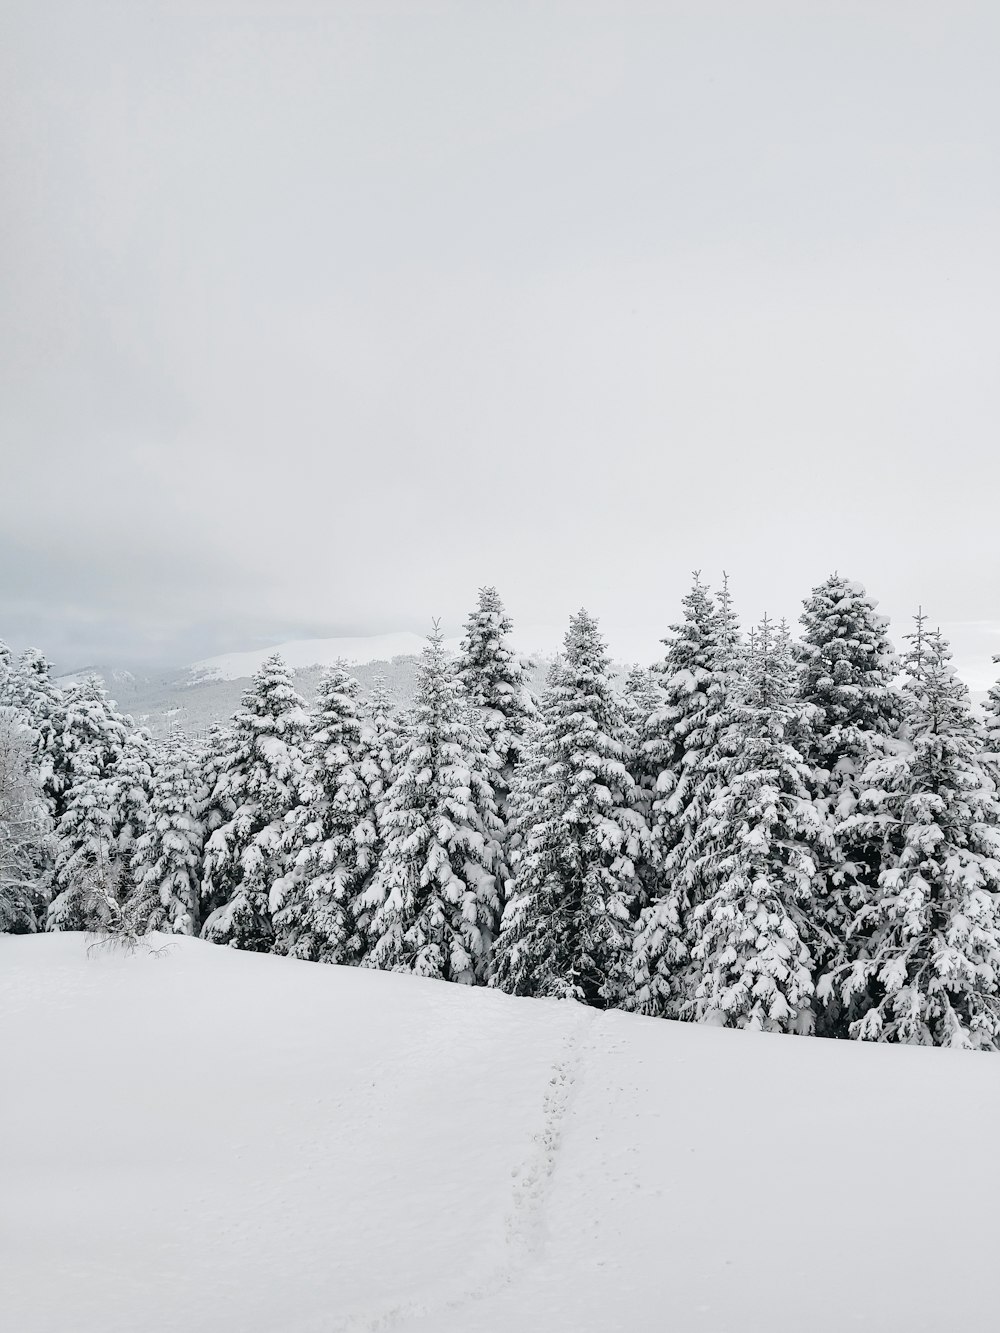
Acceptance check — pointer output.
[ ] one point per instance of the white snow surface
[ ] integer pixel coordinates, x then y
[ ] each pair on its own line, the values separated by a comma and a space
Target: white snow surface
210, 1140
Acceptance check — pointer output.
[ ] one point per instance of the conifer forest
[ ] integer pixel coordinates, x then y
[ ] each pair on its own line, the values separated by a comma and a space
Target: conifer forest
787, 830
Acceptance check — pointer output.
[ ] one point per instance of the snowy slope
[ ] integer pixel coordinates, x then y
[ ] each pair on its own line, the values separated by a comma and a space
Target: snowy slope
533, 641
299, 653
218, 1141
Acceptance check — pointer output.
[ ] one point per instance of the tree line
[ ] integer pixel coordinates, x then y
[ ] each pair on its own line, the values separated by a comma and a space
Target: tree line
790, 834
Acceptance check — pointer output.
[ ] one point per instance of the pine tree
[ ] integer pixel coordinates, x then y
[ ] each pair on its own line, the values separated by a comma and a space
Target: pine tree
642, 699
495, 685
641, 696
88, 873
685, 747
167, 855
24, 829
757, 852
89, 733
567, 927
32, 692
991, 709
435, 897
929, 971
315, 903
215, 801
97, 763
6, 676
105, 813
260, 780
377, 767
846, 674
847, 667
131, 785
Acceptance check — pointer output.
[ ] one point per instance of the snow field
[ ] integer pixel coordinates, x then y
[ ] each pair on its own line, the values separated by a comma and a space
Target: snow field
211, 1140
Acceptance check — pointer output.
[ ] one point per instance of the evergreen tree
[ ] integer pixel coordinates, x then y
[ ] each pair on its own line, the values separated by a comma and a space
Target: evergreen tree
24, 829
315, 904
929, 971
32, 692
6, 676
97, 764
757, 852
493, 678
846, 672
167, 855
642, 699
847, 668
377, 767
568, 923
105, 813
685, 746
88, 737
641, 696
88, 873
131, 785
991, 709
260, 779
434, 901
215, 801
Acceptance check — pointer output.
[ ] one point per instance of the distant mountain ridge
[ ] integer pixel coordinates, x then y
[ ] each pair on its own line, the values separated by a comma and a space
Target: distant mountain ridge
300, 654
192, 698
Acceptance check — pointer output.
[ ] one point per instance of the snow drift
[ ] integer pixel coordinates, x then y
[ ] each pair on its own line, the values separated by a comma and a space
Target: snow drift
209, 1140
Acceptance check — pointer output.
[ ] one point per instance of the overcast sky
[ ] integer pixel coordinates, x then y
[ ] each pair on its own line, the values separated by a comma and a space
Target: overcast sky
316, 316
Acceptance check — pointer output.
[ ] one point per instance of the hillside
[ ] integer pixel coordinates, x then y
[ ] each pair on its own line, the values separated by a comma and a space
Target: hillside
208, 1140
192, 698
179, 699
299, 653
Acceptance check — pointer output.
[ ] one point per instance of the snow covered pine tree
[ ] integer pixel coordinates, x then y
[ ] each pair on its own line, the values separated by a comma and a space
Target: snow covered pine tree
684, 748
35, 695
259, 780
991, 709
25, 828
846, 672
930, 969
378, 752
90, 875
494, 682
757, 852
567, 926
434, 901
315, 903
642, 698
167, 855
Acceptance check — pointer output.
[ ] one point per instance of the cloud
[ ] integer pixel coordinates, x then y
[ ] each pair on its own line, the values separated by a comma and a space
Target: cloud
313, 325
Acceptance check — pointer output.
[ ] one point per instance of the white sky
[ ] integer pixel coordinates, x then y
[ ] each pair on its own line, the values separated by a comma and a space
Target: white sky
316, 316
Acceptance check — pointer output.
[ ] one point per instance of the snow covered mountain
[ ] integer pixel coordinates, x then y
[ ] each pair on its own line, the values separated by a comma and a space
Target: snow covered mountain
212, 1140
302, 653
208, 691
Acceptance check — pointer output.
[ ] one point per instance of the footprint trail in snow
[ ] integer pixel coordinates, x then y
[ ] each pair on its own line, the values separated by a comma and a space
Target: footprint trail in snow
525, 1223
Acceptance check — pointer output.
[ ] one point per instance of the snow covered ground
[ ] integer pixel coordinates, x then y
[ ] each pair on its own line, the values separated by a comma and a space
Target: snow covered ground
209, 1140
